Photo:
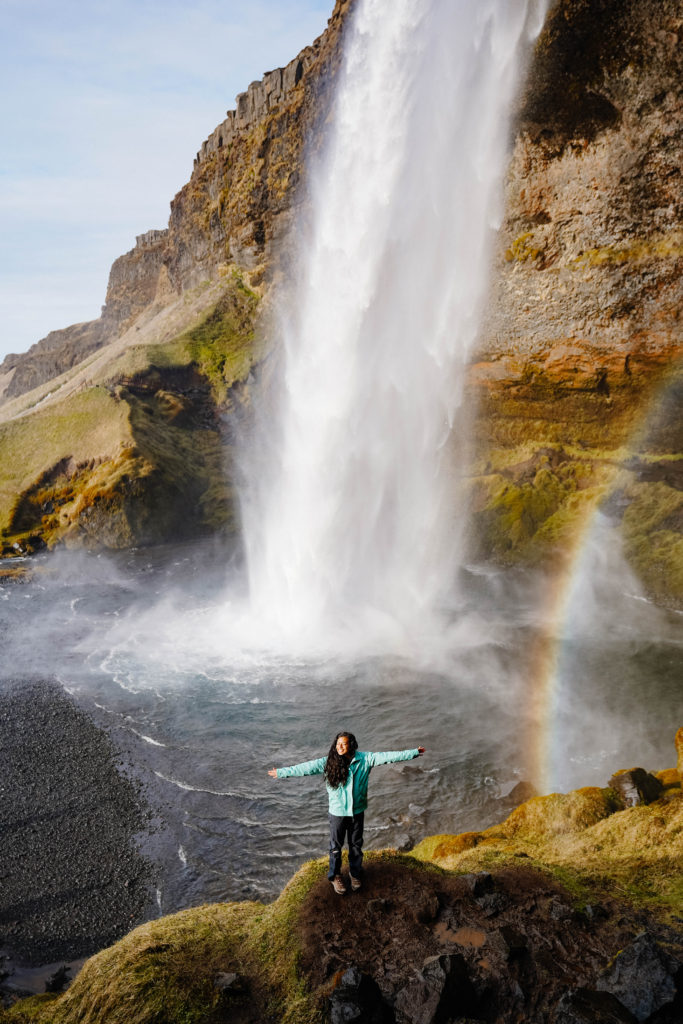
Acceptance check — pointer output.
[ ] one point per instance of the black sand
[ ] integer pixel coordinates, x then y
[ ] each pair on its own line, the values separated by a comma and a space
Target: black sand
71, 878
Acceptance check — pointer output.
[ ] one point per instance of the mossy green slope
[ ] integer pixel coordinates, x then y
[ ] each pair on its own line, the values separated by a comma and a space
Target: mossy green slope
587, 840
138, 456
548, 457
164, 972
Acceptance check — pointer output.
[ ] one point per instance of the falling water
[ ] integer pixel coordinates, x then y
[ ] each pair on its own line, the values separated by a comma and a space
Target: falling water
354, 528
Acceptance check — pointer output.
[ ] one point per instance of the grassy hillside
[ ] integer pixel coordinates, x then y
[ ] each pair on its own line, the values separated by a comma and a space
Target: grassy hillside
137, 455
568, 853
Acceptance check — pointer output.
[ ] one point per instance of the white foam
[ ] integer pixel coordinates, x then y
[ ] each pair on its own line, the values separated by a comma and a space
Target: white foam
148, 739
199, 789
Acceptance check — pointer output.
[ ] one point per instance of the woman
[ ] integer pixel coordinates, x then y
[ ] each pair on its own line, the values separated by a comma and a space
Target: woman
346, 770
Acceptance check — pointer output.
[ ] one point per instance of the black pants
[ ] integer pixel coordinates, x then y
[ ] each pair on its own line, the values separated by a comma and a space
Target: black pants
340, 829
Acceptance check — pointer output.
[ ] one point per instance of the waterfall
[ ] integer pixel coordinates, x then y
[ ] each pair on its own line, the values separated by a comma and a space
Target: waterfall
351, 526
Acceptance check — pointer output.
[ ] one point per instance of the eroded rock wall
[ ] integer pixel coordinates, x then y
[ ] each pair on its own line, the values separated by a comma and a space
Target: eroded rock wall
578, 369
588, 282
246, 178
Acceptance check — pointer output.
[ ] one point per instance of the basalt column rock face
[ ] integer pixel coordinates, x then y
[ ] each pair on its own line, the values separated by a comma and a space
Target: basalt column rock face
234, 212
250, 173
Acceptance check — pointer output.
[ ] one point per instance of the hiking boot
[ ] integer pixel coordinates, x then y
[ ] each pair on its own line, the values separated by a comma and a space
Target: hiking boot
338, 885
355, 883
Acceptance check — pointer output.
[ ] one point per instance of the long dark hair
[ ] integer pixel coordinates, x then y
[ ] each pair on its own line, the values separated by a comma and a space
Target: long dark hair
337, 766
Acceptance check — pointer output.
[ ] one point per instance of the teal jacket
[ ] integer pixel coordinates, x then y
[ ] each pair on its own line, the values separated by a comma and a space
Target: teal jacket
352, 797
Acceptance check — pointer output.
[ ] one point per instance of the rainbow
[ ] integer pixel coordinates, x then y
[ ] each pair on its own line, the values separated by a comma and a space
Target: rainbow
560, 600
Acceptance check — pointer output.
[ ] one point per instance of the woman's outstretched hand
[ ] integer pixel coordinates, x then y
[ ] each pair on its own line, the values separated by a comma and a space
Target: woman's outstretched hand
273, 772
420, 751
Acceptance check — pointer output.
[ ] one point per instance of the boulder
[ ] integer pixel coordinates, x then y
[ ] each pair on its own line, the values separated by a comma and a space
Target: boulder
643, 976
441, 992
584, 1006
357, 998
636, 786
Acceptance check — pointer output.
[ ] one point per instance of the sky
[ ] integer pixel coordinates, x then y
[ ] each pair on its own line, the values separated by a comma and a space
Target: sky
104, 104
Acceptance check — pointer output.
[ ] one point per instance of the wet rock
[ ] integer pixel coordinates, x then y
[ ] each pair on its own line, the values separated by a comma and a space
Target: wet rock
636, 786
584, 1006
358, 998
507, 941
559, 911
595, 912
643, 976
404, 843
441, 992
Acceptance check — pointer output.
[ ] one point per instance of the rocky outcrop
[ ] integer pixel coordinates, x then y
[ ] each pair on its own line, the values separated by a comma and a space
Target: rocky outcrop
636, 786
588, 278
135, 281
250, 173
142, 456
559, 915
56, 352
246, 178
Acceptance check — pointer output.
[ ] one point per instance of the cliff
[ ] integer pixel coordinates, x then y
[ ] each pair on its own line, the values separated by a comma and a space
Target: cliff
246, 178
575, 381
568, 912
105, 423
578, 371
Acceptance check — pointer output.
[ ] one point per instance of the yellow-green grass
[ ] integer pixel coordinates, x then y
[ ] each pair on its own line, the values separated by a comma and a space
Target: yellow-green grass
124, 450
86, 426
586, 841
222, 344
164, 971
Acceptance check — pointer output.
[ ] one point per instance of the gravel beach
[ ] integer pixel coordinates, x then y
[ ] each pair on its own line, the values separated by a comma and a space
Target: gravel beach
71, 878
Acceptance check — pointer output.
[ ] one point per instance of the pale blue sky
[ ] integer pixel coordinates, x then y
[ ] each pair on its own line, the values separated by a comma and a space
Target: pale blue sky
104, 104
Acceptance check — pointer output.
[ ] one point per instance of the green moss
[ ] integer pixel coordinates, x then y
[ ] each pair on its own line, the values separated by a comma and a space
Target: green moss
668, 246
140, 460
85, 426
164, 971
653, 537
586, 841
222, 345
533, 510
522, 249
29, 1010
